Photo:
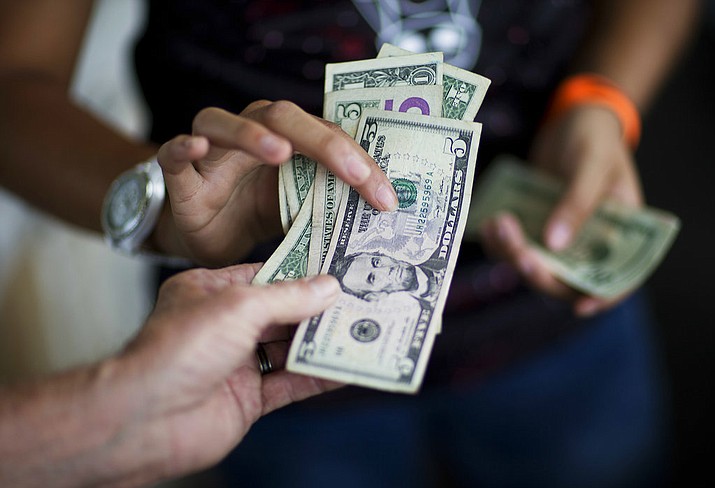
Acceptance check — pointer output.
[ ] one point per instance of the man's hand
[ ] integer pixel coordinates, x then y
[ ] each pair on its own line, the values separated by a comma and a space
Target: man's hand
585, 148
197, 380
222, 180
178, 399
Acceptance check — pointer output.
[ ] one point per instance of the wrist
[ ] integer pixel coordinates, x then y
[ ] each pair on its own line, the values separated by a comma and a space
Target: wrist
85, 424
137, 218
591, 89
133, 450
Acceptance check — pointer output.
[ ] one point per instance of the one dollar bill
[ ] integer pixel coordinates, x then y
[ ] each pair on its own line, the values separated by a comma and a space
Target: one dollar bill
613, 253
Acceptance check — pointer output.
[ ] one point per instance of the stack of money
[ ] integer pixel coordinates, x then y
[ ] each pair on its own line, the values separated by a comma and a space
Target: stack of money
614, 252
414, 115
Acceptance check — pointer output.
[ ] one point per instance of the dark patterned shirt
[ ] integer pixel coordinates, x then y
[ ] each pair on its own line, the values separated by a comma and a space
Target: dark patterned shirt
228, 53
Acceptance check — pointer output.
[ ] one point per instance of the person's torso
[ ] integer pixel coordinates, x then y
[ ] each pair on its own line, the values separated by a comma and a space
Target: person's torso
228, 53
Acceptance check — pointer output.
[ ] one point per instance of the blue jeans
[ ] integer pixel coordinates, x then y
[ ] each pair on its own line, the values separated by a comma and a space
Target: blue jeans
586, 410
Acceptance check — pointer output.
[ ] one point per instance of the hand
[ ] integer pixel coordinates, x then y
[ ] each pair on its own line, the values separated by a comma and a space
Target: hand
222, 180
196, 380
585, 148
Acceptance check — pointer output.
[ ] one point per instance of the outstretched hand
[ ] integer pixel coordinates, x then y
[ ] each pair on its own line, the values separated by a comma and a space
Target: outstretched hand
585, 148
222, 179
193, 369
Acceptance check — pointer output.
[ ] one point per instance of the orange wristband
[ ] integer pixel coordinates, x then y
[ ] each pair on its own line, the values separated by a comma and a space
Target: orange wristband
594, 89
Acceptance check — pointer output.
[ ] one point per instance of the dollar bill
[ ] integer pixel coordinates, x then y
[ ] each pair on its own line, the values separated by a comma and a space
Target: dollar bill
295, 179
394, 267
345, 108
418, 69
284, 211
290, 260
614, 252
463, 91
326, 202
386, 74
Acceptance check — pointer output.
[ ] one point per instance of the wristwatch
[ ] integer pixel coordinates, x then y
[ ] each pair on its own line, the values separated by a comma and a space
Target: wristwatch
132, 206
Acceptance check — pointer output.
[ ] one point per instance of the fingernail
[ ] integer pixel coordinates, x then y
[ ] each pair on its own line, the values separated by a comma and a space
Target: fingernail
385, 194
324, 285
559, 236
357, 168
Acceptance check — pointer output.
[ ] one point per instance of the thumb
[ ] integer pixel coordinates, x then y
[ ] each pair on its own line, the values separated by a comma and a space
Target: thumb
175, 158
575, 207
288, 302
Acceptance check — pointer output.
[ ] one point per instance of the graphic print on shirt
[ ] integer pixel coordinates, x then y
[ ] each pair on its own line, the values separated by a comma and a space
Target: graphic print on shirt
449, 26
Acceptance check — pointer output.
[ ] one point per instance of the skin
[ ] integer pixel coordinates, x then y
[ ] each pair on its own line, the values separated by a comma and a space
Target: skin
179, 398
635, 44
222, 179
226, 155
135, 417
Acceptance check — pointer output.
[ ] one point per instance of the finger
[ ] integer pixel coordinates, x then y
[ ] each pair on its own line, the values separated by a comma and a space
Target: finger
231, 131
277, 350
503, 237
509, 242
241, 273
175, 158
538, 276
333, 148
575, 206
282, 388
287, 302
588, 306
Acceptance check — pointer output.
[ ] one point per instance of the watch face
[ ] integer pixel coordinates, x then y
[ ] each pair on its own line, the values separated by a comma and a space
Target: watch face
128, 204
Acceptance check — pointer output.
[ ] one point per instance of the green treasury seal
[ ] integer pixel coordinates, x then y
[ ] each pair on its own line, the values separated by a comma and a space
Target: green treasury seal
406, 192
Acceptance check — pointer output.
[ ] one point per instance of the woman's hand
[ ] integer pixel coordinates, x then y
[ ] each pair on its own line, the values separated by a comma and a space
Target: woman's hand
222, 179
585, 148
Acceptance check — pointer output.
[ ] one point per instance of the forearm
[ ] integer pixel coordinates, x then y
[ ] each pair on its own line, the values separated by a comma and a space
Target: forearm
635, 43
55, 155
79, 428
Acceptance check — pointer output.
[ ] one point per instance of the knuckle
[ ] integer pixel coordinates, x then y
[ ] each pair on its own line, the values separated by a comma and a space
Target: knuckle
335, 146
174, 148
253, 304
255, 105
186, 278
172, 285
204, 116
333, 127
279, 110
245, 128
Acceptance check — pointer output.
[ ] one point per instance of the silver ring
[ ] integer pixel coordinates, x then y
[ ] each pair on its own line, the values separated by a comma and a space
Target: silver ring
264, 362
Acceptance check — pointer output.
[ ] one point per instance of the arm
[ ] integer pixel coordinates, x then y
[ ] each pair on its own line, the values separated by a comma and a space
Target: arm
61, 159
635, 44
183, 394
52, 153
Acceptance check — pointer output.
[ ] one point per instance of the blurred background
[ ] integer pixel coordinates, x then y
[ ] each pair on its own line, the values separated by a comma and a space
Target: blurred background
65, 298
677, 164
